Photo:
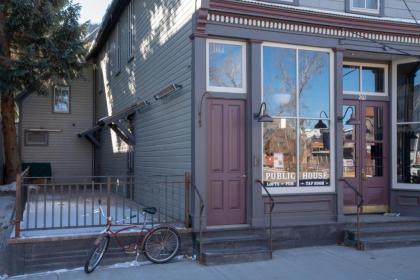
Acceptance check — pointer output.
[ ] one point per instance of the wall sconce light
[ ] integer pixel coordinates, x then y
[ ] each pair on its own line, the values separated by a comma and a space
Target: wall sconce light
320, 124
172, 88
262, 115
352, 120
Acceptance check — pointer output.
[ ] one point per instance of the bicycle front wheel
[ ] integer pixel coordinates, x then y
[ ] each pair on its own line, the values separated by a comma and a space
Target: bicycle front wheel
96, 254
161, 244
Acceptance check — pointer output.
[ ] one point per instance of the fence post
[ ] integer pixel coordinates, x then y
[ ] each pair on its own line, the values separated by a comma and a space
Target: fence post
18, 205
108, 197
187, 182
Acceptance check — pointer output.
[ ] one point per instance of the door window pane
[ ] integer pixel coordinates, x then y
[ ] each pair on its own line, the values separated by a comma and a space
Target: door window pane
279, 79
408, 153
374, 125
373, 79
349, 160
408, 92
279, 166
314, 84
351, 78
225, 65
349, 129
374, 160
314, 154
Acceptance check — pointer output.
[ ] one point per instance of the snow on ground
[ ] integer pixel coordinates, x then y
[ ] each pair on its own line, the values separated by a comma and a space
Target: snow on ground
78, 209
7, 204
8, 187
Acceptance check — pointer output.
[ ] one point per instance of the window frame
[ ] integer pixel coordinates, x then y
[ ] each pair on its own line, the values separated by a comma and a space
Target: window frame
27, 143
361, 65
365, 11
301, 189
394, 124
130, 34
53, 98
240, 90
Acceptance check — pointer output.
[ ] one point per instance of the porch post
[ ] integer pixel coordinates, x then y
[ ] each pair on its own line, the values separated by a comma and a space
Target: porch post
18, 205
255, 158
338, 126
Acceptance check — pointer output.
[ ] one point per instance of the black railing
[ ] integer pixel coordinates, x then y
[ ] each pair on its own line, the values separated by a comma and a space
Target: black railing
270, 213
359, 209
200, 223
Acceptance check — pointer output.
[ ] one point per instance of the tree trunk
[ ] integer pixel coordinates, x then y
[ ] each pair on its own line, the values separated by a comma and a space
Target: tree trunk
11, 152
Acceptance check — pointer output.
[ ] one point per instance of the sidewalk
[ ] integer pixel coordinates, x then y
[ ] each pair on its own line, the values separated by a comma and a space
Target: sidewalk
314, 263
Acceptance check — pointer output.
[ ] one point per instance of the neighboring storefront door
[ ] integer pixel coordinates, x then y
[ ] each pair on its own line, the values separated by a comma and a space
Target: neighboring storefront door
226, 162
366, 154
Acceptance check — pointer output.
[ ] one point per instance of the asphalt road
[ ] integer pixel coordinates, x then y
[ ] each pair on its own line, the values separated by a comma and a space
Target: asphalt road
313, 263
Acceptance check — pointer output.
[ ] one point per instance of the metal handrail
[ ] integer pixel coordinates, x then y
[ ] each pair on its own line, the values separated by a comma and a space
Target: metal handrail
272, 204
200, 225
358, 211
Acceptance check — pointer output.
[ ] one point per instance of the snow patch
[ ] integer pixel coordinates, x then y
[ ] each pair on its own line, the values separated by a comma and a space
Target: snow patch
4, 276
8, 187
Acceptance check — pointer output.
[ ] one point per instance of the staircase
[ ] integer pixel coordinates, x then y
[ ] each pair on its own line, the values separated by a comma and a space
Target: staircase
385, 232
233, 246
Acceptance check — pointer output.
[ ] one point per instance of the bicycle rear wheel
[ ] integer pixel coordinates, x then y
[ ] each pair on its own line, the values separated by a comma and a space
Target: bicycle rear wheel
97, 252
161, 244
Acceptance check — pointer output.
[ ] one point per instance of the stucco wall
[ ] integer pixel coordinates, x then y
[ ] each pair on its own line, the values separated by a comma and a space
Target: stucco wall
68, 154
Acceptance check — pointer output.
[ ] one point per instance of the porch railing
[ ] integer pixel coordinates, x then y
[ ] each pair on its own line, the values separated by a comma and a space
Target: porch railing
271, 205
63, 203
359, 209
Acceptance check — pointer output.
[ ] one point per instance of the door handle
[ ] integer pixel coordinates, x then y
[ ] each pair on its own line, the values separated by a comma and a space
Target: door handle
363, 174
243, 176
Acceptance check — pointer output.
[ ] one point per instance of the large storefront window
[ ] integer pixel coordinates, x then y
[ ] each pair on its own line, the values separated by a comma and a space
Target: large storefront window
408, 123
297, 144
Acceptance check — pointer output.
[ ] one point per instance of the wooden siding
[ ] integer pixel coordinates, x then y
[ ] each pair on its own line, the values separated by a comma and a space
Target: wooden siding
68, 154
162, 55
393, 8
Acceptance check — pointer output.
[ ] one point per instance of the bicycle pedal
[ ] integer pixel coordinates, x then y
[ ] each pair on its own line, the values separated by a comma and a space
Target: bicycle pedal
130, 249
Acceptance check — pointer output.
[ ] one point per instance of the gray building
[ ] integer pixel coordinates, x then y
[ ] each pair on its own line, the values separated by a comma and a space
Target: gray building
315, 100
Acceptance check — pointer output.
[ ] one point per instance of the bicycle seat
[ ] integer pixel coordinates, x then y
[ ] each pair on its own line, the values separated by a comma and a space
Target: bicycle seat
150, 210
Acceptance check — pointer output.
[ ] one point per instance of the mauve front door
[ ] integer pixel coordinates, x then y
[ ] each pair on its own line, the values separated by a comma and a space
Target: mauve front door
226, 162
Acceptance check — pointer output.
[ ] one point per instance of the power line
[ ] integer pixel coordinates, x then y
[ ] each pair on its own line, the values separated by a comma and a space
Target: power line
411, 12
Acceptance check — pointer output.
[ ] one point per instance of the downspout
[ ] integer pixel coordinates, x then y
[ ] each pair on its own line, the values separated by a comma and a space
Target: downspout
94, 88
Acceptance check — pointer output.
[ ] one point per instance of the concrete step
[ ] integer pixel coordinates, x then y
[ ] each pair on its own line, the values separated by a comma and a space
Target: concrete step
370, 243
236, 255
378, 231
233, 241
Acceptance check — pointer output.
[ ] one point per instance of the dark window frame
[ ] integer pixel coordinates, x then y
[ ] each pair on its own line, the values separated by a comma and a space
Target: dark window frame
53, 99
285, 2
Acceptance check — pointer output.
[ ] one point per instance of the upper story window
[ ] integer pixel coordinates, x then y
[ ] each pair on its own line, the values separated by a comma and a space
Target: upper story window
365, 6
61, 99
226, 66
365, 78
130, 33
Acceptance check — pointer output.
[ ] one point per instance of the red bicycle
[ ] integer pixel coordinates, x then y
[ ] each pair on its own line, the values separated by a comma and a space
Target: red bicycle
160, 243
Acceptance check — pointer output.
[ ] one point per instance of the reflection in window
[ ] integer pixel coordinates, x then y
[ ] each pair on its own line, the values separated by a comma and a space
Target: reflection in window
298, 114
280, 153
314, 83
226, 67
61, 99
374, 126
314, 154
358, 79
349, 143
408, 123
351, 78
367, 6
280, 81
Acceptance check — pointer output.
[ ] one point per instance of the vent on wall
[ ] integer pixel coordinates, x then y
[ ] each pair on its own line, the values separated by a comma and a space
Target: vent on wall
36, 138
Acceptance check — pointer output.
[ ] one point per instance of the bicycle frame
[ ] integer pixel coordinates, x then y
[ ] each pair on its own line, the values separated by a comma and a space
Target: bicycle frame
143, 230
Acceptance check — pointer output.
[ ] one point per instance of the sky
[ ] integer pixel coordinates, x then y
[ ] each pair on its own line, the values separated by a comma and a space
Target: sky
92, 10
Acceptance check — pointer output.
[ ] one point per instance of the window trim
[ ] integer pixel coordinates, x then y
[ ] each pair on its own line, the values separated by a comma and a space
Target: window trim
364, 64
27, 143
365, 11
240, 90
53, 98
284, 2
300, 189
130, 34
394, 125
